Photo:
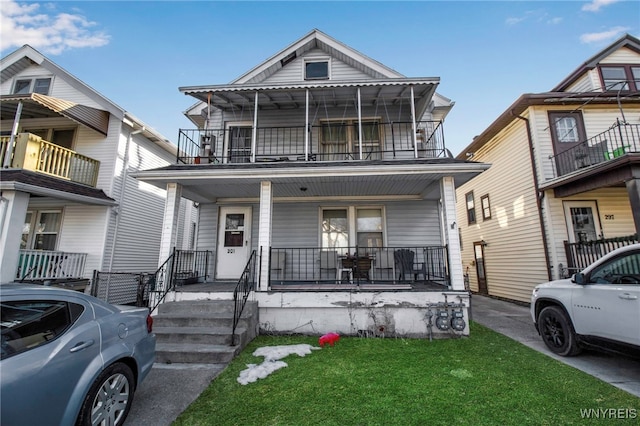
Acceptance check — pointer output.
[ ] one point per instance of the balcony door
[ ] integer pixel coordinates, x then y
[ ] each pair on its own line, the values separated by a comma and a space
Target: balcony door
239, 143
234, 242
582, 220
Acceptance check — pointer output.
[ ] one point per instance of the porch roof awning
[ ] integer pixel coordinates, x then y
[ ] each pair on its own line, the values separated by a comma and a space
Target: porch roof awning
36, 105
331, 93
414, 179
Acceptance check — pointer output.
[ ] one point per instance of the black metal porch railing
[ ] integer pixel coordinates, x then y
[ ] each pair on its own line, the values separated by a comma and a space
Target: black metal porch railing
582, 254
618, 140
326, 142
246, 284
382, 265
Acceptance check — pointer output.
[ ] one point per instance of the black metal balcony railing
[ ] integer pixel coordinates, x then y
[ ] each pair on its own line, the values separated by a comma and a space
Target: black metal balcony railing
383, 265
327, 142
620, 139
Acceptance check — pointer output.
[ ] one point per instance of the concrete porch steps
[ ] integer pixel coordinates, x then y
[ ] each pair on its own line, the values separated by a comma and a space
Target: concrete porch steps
199, 332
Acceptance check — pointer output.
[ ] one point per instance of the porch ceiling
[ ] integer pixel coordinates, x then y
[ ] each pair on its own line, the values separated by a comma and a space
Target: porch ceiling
416, 180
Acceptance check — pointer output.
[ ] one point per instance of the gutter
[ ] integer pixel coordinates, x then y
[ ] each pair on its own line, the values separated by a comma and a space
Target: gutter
539, 194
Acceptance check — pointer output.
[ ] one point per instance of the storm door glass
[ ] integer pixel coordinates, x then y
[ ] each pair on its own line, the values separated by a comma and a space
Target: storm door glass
584, 227
234, 230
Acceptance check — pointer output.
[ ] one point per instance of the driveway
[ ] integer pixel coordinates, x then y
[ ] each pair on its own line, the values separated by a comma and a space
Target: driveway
514, 321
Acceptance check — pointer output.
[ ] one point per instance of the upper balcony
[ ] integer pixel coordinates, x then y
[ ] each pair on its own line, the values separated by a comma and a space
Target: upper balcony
31, 152
618, 140
330, 141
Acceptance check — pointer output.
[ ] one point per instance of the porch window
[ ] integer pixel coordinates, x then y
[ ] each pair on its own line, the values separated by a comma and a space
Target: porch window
486, 207
369, 227
620, 77
335, 230
471, 209
32, 85
60, 137
316, 70
41, 229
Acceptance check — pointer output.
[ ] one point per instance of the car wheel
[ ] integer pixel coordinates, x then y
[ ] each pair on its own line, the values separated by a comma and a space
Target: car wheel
557, 331
109, 399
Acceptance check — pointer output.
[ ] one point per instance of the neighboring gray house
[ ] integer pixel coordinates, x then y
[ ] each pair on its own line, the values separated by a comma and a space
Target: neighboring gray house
564, 184
69, 204
328, 172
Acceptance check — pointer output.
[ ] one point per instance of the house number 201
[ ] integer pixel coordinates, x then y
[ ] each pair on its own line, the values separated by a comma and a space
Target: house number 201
231, 251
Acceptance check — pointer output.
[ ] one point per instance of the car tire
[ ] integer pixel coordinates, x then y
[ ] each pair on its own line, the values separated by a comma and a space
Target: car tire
557, 331
109, 398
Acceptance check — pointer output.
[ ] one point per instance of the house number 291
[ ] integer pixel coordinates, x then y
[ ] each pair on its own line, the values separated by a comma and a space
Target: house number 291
608, 217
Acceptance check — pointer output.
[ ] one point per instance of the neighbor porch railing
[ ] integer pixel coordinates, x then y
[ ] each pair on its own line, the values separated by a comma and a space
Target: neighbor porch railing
582, 254
618, 140
31, 152
329, 142
50, 265
383, 265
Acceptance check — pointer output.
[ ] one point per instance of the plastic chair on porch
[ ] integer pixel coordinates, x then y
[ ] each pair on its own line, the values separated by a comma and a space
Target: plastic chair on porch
329, 262
404, 259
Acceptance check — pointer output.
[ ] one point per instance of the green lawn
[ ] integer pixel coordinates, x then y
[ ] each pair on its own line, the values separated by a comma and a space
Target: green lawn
486, 379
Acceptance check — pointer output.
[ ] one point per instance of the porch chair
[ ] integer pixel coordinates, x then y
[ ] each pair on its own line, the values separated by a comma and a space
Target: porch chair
329, 262
278, 263
404, 260
384, 266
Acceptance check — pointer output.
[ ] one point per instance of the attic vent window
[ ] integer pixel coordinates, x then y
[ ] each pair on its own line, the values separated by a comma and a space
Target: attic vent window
290, 57
316, 70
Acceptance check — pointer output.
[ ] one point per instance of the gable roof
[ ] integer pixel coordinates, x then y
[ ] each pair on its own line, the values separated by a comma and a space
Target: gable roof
316, 39
626, 41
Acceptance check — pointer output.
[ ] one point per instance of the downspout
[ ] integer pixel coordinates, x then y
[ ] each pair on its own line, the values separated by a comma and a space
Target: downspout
539, 194
123, 187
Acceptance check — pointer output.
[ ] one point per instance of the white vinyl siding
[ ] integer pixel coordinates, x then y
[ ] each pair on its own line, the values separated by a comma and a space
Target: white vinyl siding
622, 56
514, 256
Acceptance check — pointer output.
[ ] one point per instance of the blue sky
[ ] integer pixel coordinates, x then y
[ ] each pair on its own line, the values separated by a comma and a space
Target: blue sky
486, 54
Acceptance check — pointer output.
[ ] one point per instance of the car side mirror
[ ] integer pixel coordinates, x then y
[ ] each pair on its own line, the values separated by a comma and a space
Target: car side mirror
578, 278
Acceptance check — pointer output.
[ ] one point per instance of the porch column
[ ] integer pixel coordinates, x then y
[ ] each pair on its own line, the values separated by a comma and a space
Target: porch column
633, 189
170, 221
307, 127
359, 125
414, 128
448, 194
13, 211
264, 232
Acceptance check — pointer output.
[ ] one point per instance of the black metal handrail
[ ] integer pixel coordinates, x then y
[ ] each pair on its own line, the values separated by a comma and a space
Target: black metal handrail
331, 141
582, 254
619, 139
322, 265
246, 284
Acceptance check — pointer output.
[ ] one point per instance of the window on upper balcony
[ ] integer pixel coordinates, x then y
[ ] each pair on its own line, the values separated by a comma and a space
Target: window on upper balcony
24, 86
339, 139
620, 77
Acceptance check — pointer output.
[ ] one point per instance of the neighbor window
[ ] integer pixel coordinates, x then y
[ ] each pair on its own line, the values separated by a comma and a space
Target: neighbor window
32, 85
620, 77
566, 128
40, 230
471, 208
486, 207
316, 70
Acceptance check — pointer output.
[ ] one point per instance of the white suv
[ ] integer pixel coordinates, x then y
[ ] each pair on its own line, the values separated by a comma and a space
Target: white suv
598, 307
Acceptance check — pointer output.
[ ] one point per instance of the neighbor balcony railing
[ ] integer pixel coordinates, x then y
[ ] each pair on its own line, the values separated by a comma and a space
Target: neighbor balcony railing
50, 265
327, 142
31, 152
620, 139
383, 265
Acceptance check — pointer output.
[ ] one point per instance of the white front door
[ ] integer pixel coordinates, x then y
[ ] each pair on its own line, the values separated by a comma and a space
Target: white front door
582, 220
234, 241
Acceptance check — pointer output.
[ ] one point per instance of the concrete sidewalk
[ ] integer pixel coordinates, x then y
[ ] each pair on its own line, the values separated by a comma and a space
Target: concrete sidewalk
514, 321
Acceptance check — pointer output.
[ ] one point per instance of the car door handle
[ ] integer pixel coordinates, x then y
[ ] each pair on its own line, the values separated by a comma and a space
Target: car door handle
628, 296
82, 345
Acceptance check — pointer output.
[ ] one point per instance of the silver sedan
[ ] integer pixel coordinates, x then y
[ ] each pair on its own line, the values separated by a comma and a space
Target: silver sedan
69, 358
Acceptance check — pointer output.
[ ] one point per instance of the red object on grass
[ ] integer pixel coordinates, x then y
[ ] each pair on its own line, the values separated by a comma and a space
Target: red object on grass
330, 338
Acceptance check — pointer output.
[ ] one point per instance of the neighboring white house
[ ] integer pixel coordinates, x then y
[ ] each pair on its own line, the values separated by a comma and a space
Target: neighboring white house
328, 171
69, 204
564, 183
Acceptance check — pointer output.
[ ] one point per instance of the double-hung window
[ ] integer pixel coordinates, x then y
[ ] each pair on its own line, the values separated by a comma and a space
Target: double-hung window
24, 86
41, 229
346, 227
620, 77
471, 208
340, 139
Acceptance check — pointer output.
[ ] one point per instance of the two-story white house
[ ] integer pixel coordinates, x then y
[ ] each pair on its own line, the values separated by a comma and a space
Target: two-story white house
69, 204
324, 186
564, 184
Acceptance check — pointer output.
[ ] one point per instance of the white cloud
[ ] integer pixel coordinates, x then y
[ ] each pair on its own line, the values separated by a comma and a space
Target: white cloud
513, 21
603, 36
46, 30
537, 15
596, 5
554, 21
